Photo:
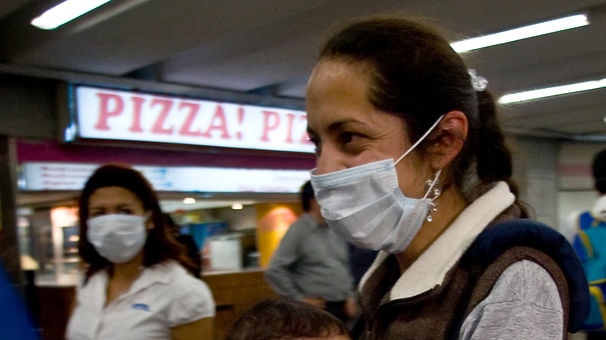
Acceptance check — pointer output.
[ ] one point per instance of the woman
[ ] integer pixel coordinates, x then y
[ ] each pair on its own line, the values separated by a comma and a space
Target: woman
136, 285
411, 161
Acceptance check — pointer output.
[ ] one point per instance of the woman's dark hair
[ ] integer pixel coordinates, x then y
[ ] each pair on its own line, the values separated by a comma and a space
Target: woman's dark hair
599, 171
160, 244
284, 318
307, 194
416, 75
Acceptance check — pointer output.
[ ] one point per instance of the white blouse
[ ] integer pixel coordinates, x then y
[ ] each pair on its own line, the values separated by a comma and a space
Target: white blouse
163, 297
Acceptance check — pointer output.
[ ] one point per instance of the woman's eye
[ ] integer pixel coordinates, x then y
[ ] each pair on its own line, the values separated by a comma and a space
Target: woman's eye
346, 138
96, 212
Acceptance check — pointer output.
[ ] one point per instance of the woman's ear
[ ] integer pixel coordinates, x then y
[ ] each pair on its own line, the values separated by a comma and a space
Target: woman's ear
149, 221
451, 136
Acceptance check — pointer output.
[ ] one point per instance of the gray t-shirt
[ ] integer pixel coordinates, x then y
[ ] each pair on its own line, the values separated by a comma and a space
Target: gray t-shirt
311, 261
523, 304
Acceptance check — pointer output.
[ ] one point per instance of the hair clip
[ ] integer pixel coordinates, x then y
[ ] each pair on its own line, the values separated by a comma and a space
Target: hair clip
479, 83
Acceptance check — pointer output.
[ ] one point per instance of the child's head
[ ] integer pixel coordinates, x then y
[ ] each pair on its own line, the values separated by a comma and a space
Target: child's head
282, 319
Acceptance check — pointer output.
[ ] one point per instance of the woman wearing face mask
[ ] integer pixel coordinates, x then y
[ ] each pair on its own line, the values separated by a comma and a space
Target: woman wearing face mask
136, 285
411, 161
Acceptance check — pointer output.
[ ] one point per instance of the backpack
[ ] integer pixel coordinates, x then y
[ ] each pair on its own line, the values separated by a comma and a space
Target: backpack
590, 245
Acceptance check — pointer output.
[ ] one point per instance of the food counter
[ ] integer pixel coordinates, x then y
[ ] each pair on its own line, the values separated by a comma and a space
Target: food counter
234, 293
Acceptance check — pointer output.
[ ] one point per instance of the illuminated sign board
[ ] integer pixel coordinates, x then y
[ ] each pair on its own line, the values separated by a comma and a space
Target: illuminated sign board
132, 116
72, 176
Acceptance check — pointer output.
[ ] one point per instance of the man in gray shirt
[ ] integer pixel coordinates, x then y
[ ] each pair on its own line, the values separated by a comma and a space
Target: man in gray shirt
311, 263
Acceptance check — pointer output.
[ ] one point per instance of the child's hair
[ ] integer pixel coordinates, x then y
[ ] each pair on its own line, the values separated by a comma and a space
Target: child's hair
284, 318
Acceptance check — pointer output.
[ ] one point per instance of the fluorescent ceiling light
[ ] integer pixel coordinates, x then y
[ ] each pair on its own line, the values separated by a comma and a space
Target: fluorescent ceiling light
552, 91
520, 33
65, 12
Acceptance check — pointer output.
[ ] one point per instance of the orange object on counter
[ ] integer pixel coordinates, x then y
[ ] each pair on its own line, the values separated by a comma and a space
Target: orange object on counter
274, 220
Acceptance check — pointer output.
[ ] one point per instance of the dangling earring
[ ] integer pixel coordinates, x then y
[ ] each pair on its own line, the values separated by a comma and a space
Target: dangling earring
434, 190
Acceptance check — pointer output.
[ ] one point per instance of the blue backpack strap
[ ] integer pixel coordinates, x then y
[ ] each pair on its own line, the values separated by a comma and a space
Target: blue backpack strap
589, 243
597, 311
587, 236
586, 220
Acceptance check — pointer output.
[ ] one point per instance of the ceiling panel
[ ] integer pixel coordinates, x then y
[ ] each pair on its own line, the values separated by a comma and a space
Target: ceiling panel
268, 47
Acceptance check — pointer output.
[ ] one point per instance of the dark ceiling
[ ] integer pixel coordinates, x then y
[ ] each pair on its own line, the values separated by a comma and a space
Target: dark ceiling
263, 50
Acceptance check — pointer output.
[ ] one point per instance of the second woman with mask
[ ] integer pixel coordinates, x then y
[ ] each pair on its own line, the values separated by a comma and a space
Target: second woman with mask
136, 284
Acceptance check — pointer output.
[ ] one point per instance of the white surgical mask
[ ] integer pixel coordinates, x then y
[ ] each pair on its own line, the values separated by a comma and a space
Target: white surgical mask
365, 206
117, 237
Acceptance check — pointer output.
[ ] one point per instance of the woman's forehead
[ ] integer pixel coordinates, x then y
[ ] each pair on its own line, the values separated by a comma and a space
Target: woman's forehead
113, 194
335, 87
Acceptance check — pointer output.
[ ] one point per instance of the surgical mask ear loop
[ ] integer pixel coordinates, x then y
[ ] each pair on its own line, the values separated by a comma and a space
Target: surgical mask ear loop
433, 126
432, 183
